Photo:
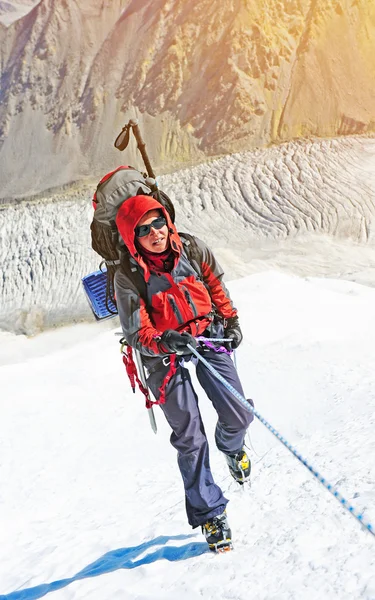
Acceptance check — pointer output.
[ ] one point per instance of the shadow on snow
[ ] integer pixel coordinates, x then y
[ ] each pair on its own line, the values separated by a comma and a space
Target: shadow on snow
123, 558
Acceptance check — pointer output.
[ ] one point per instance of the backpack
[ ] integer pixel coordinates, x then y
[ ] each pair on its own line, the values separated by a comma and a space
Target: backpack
112, 190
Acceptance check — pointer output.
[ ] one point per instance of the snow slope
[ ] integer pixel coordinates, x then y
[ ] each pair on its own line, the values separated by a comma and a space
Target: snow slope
91, 502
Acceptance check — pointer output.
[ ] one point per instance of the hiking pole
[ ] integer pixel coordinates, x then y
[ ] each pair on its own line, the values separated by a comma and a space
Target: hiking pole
344, 503
122, 142
142, 147
142, 377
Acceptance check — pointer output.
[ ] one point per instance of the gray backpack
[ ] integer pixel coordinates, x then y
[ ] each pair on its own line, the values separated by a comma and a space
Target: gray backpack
113, 189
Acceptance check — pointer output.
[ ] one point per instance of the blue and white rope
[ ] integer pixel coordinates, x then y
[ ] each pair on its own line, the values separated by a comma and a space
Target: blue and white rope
356, 514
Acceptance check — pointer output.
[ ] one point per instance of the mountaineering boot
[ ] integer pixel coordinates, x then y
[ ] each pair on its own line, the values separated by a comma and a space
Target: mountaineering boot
239, 466
218, 534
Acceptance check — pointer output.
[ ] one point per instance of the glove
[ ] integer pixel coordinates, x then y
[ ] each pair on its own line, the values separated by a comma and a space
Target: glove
173, 342
233, 331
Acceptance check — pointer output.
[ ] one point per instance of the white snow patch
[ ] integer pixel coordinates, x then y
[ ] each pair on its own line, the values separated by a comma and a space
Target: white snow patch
83, 478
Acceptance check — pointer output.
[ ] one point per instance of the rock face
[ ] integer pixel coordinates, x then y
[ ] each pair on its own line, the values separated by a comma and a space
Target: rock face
11, 11
204, 78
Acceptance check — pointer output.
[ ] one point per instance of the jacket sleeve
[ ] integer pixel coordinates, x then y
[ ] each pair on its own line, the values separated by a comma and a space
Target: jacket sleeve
212, 274
136, 324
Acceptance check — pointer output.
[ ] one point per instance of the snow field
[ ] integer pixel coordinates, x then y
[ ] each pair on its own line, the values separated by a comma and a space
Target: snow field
87, 489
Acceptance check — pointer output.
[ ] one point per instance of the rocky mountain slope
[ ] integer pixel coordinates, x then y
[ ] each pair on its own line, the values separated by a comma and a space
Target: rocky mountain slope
12, 10
204, 79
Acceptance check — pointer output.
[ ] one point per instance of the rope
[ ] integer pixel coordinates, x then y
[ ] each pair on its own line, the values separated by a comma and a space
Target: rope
211, 344
356, 514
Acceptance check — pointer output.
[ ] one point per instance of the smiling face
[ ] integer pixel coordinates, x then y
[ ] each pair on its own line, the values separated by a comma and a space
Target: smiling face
158, 239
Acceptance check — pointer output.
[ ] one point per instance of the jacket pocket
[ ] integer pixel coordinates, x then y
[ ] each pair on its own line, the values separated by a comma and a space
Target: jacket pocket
175, 309
190, 301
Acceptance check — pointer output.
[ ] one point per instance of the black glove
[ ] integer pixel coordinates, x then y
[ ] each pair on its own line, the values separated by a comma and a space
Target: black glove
173, 342
233, 331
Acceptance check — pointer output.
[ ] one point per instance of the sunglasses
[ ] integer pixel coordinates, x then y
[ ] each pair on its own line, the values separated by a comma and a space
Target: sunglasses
143, 230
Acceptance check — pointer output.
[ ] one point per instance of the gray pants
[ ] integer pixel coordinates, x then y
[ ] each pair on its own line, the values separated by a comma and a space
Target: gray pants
204, 499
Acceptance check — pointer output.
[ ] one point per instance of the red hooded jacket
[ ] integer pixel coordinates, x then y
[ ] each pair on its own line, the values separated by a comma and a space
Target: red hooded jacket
179, 299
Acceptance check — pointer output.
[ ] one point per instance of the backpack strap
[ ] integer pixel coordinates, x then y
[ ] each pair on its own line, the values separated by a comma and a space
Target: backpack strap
192, 252
131, 269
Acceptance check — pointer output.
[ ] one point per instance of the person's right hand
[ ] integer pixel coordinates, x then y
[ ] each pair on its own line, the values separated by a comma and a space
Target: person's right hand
173, 342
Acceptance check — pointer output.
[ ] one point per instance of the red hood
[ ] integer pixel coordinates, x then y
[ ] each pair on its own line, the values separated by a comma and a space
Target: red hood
129, 215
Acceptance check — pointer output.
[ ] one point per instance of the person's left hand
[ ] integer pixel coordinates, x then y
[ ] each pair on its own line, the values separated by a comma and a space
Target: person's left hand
233, 331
